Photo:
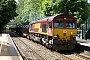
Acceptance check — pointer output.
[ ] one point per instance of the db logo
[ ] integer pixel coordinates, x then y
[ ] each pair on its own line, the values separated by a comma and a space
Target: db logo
64, 31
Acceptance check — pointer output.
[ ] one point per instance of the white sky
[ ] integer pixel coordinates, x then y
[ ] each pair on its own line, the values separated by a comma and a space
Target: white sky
88, 1
16, 0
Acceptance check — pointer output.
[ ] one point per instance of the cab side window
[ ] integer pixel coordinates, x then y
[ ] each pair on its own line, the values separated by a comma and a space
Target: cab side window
44, 28
50, 24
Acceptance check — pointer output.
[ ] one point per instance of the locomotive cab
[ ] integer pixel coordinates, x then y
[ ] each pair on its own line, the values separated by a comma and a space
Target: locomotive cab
64, 33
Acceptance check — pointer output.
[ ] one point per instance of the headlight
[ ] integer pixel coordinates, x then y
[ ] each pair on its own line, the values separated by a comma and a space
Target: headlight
56, 36
71, 33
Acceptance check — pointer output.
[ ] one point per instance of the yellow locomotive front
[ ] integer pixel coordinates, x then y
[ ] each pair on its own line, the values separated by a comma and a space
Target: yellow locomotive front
64, 33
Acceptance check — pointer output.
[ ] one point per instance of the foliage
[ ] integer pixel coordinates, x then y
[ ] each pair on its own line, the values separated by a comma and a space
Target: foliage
7, 11
35, 9
27, 11
76, 8
50, 7
88, 9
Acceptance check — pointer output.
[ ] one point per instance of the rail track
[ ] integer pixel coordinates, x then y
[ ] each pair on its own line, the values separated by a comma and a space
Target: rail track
34, 51
27, 52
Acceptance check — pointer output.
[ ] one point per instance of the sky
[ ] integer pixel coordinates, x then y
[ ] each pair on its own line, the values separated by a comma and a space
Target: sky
16, 0
88, 1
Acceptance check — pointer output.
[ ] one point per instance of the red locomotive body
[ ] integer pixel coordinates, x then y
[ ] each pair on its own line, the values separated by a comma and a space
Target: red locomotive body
57, 32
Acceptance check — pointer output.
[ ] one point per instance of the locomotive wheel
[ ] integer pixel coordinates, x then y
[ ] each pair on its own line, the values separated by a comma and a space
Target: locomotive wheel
28, 37
49, 45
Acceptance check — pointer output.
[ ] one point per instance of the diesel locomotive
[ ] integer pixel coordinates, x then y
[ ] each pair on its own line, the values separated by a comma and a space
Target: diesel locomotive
57, 32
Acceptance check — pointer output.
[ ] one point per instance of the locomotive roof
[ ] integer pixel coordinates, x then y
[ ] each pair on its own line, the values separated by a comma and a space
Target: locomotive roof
50, 18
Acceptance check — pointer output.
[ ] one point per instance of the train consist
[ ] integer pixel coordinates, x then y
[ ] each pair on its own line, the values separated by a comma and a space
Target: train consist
21, 30
56, 32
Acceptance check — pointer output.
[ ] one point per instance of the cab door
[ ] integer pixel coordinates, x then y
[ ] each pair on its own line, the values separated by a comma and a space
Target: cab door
50, 28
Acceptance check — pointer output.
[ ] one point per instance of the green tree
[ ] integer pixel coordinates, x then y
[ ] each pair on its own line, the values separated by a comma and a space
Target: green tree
89, 9
29, 10
7, 11
75, 7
